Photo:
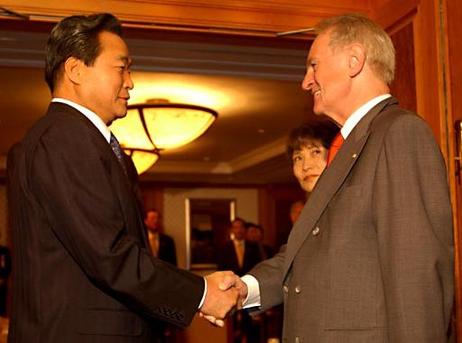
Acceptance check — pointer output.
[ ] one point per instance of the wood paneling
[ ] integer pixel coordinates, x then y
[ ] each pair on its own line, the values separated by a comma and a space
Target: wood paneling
452, 29
404, 87
437, 42
152, 197
429, 82
253, 16
273, 208
390, 13
266, 214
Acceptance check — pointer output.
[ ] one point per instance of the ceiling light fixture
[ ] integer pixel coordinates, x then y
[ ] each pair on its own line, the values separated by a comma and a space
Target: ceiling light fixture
157, 125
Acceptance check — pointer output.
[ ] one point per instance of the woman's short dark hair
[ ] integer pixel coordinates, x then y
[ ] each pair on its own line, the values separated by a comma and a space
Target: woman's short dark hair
76, 36
323, 131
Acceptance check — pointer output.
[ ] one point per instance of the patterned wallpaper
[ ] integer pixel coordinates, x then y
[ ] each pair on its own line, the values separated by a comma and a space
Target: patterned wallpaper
174, 216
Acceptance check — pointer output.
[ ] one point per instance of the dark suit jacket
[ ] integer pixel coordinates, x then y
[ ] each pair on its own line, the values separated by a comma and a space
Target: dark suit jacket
227, 259
371, 257
167, 250
82, 268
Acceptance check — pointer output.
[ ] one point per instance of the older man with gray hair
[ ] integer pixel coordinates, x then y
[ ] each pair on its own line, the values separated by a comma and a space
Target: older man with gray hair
371, 257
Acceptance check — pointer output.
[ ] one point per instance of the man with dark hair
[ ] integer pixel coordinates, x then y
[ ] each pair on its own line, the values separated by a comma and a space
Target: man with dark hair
162, 245
254, 234
371, 257
84, 44
238, 254
83, 271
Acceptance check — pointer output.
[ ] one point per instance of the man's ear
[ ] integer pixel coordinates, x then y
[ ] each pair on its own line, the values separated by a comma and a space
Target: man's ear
356, 59
74, 70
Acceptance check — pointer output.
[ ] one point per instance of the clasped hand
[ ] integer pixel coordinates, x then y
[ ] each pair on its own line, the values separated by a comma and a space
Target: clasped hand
225, 292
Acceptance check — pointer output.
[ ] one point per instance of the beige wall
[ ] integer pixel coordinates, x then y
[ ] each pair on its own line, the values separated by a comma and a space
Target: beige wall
174, 216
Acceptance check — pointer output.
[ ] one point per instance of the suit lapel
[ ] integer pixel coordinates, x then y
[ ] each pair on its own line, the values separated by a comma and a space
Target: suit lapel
123, 186
330, 182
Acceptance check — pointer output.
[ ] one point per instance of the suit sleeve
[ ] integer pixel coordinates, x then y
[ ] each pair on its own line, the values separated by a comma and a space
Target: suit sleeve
269, 275
72, 178
415, 234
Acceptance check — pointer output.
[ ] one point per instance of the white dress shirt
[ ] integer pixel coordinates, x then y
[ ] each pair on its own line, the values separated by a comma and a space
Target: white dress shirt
92, 116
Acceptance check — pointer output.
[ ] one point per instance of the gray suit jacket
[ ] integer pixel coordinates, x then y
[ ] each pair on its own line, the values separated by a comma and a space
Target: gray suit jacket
371, 257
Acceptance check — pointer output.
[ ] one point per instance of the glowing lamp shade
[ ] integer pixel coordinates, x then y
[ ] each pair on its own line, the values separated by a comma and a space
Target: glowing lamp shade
143, 160
151, 127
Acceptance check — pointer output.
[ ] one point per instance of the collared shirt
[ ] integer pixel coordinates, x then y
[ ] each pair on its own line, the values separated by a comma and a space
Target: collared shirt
92, 116
357, 115
253, 287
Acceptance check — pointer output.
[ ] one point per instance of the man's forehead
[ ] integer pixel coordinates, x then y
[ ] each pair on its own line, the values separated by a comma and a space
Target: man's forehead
110, 40
313, 51
319, 40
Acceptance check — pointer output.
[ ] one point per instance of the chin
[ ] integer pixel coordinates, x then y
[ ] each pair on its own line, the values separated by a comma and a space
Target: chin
308, 188
121, 114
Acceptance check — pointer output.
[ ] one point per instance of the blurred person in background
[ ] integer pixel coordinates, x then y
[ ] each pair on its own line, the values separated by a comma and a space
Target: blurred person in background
162, 245
254, 234
240, 255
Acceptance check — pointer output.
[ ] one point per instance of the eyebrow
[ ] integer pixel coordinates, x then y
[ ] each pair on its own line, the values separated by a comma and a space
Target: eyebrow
309, 59
127, 60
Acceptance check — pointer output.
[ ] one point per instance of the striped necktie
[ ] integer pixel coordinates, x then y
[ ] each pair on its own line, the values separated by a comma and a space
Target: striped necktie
118, 152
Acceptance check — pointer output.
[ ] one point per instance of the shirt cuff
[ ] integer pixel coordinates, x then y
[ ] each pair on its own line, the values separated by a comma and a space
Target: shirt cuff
203, 295
253, 292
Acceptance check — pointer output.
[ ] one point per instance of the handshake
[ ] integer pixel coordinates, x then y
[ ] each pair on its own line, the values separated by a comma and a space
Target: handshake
225, 292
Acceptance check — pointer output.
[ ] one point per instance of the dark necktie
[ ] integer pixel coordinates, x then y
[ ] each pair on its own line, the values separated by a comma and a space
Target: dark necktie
334, 147
118, 151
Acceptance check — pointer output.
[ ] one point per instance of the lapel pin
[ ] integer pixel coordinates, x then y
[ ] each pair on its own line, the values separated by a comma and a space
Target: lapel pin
354, 156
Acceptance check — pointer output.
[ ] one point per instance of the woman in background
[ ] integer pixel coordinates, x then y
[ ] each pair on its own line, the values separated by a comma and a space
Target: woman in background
307, 148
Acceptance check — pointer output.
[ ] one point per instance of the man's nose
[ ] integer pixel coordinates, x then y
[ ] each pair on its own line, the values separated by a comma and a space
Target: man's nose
128, 81
308, 80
